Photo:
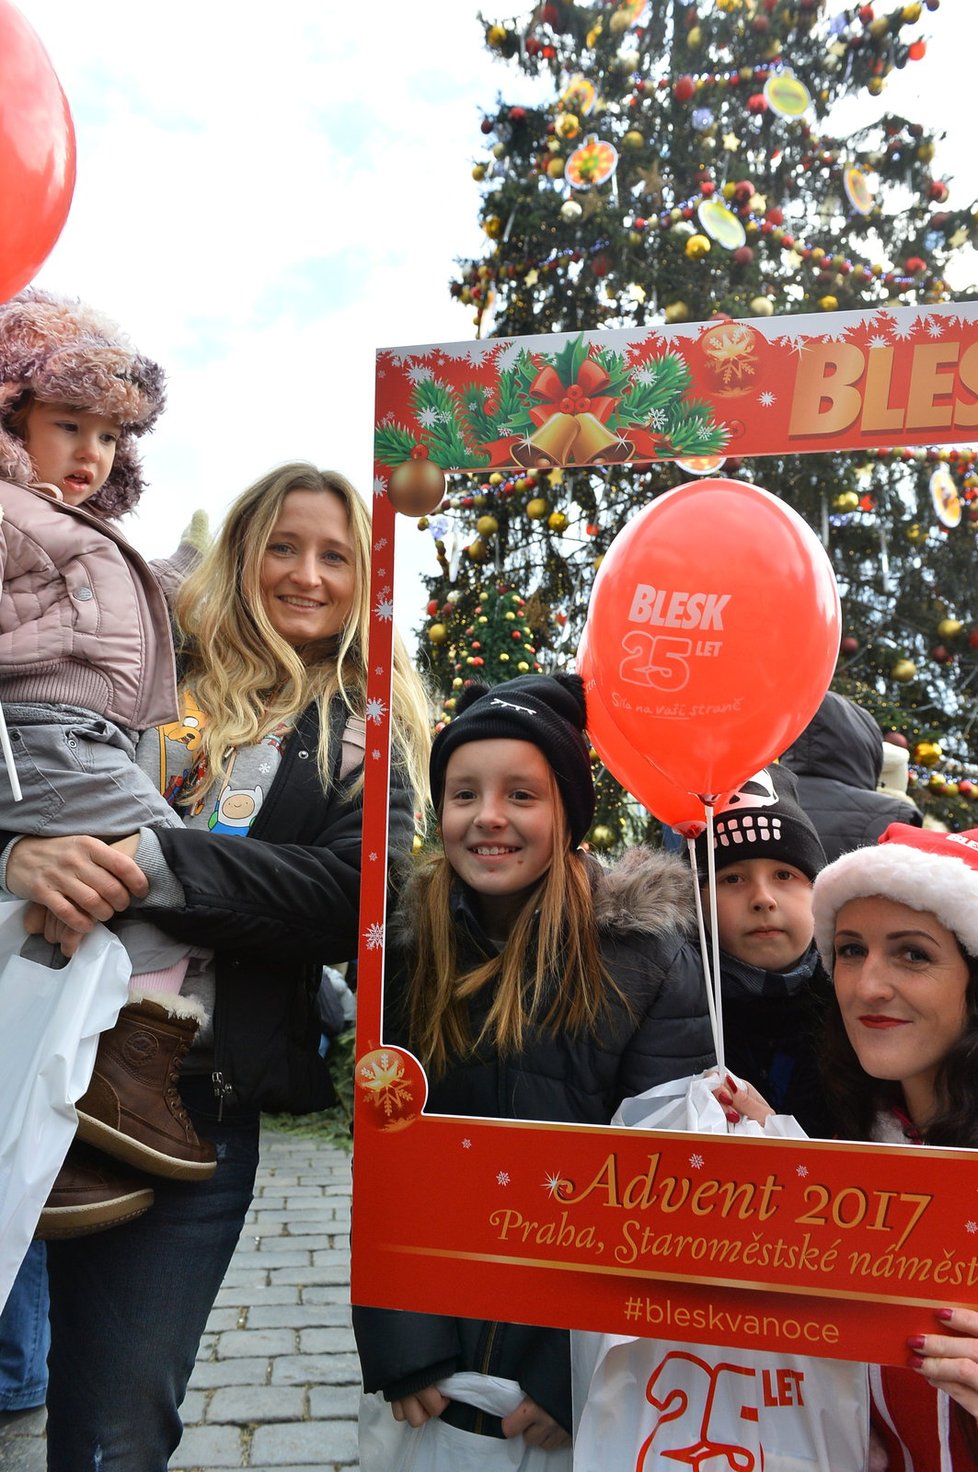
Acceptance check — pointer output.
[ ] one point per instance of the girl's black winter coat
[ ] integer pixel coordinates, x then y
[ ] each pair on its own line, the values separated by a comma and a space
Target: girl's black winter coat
645, 912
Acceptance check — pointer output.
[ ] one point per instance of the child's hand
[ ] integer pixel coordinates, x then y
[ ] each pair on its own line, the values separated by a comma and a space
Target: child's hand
535, 1426
741, 1101
417, 1409
40, 921
949, 1362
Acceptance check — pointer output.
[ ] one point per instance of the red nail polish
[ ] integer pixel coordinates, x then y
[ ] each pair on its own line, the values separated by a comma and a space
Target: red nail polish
722, 1097
914, 1361
916, 1341
731, 1085
732, 1115
944, 1313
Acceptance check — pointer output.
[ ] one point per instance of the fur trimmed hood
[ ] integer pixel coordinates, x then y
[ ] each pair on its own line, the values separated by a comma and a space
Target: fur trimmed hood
61, 350
647, 892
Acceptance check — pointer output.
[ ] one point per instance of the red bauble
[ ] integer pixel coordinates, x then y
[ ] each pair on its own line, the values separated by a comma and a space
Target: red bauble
849, 646
683, 88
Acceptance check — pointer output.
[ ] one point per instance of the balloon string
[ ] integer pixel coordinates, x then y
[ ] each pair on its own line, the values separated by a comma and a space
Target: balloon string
711, 871
704, 952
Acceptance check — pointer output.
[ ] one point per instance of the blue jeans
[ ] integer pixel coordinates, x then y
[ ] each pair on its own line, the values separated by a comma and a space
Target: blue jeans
25, 1336
129, 1306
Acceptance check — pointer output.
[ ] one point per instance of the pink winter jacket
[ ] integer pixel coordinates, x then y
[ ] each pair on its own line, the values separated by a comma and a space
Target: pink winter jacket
83, 619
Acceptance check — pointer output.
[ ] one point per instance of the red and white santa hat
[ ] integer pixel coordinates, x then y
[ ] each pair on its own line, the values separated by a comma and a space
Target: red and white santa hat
929, 871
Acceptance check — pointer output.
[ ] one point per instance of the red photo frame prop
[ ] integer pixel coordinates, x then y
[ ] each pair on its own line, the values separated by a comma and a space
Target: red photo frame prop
810, 1247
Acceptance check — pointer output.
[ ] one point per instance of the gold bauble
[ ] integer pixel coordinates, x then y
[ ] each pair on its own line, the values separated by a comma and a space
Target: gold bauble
904, 670
601, 836
927, 753
697, 246
557, 521
846, 501
829, 303
949, 628
496, 35
479, 173
537, 509
477, 550
762, 306
493, 226
676, 312
567, 125
487, 526
555, 168
875, 86
416, 487
694, 38
437, 634
633, 139
915, 532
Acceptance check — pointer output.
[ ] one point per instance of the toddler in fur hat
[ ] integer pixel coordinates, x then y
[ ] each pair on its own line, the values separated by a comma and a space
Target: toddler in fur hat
86, 663
766, 855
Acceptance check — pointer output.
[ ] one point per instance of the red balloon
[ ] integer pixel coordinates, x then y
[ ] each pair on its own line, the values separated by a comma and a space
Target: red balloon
713, 631
37, 153
670, 804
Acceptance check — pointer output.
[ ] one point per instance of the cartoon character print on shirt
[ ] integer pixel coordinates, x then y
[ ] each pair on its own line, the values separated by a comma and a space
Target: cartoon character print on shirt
235, 811
179, 741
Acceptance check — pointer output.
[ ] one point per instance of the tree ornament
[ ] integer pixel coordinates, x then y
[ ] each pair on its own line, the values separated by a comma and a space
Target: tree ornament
487, 526
570, 210
927, 753
592, 164
557, 521
762, 306
601, 837
949, 628
903, 671
849, 646
537, 509
697, 246
437, 634
676, 312
416, 487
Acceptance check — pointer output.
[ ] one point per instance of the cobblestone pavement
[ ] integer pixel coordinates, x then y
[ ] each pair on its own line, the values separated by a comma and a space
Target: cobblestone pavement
276, 1385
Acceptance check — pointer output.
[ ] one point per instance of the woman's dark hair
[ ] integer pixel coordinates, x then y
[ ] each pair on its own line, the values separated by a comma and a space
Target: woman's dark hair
855, 1099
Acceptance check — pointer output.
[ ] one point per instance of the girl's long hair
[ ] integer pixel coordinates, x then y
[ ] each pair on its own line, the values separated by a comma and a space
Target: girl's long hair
855, 1098
246, 678
564, 987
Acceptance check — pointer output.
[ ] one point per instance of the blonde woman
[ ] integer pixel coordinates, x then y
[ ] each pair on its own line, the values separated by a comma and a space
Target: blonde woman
266, 765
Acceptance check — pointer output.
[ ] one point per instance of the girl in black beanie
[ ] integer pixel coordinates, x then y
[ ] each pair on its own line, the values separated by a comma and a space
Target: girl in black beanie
533, 984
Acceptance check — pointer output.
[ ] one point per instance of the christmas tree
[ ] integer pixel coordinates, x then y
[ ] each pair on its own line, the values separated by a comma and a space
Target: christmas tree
682, 161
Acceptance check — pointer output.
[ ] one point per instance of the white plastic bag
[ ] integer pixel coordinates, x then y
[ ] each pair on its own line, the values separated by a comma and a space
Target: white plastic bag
50, 1021
652, 1405
387, 1445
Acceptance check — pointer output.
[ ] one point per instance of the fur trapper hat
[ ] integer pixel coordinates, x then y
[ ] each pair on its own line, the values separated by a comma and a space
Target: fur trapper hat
548, 710
927, 871
63, 351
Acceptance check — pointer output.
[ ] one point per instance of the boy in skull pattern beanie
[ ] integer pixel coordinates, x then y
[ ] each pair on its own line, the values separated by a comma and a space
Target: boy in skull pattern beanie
547, 710
764, 821
772, 985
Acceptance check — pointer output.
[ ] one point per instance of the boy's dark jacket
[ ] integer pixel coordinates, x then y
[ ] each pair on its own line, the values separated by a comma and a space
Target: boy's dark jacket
645, 913
771, 1026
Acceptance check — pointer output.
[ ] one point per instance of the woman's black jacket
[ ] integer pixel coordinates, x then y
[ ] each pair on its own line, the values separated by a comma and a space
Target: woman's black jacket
276, 906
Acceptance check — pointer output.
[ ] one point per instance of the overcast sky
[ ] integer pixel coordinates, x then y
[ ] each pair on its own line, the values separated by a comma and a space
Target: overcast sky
267, 194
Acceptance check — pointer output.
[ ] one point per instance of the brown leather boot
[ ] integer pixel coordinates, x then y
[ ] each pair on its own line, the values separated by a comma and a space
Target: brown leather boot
90, 1195
132, 1108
